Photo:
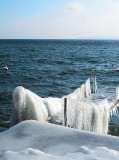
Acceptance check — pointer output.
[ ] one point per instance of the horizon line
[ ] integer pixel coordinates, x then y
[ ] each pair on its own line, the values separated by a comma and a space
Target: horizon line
59, 38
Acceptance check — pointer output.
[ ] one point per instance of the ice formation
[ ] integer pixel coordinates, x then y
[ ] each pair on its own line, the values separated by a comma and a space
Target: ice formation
34, 140
82, 114
27, 105
88, 88
88, 116
115, 103
94, 83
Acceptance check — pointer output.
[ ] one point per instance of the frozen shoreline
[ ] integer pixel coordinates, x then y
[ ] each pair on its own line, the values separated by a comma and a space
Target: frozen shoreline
33, 140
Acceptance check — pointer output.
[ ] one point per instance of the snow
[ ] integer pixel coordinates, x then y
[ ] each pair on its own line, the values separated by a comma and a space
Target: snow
35, 140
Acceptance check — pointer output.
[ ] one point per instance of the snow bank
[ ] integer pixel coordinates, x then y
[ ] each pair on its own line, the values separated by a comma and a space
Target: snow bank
35, 140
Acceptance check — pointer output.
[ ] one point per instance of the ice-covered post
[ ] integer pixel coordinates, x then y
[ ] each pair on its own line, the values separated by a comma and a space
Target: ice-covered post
65, 111
117, 93
94, 83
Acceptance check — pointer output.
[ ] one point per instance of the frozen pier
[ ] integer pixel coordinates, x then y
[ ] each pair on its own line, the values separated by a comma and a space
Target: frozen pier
76, 110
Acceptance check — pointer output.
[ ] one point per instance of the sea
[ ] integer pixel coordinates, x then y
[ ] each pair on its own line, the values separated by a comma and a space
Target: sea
54, 68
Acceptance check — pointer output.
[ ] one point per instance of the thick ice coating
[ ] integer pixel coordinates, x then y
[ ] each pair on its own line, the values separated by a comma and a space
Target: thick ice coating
81, 113
27, 105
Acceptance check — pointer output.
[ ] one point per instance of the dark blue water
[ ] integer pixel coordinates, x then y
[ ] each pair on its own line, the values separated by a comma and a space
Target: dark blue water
55, 67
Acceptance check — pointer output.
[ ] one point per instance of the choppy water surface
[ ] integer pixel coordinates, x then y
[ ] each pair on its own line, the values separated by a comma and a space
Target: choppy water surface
55, 68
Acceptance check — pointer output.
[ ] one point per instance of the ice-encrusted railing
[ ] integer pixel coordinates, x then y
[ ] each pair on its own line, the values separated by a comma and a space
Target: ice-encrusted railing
78, 95
83, 114
27, 105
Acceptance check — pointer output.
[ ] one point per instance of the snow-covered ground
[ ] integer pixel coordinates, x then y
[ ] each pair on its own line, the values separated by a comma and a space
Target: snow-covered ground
34, 140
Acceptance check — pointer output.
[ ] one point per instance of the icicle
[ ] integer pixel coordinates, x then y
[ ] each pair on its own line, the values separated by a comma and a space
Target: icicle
94, 83
88, 116
88, 88
82, 92
78, 91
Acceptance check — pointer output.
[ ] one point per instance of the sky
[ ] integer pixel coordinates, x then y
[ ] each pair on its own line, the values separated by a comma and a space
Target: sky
59, 19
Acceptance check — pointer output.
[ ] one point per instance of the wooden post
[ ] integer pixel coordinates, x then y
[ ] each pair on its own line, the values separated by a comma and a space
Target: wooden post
65, 111
94, 83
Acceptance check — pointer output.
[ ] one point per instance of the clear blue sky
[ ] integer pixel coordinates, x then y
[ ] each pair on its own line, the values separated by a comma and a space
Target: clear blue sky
59, 19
